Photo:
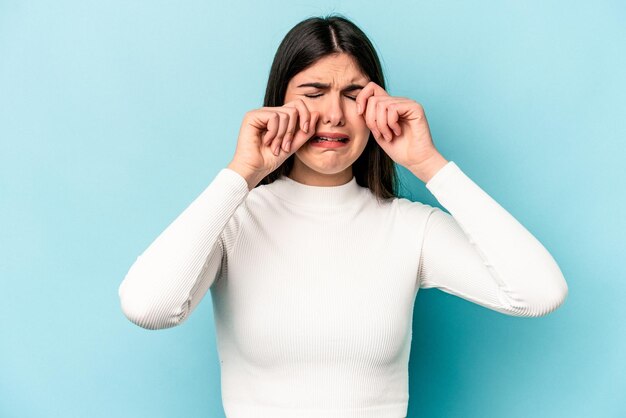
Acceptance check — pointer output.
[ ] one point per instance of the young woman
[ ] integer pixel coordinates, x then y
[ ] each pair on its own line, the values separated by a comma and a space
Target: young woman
312, 260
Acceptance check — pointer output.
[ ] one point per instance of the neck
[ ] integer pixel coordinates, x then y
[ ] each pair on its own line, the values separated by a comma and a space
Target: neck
305, 175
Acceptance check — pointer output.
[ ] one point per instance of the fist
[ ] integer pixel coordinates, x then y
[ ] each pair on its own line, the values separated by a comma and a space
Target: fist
269, 135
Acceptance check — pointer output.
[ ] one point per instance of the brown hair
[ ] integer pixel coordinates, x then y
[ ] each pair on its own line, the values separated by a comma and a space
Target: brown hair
304, 44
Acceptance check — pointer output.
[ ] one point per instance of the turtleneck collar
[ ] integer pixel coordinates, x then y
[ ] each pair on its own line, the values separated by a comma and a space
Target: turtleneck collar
317, 196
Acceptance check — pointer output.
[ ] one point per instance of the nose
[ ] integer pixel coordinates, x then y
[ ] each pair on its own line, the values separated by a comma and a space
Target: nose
332, 111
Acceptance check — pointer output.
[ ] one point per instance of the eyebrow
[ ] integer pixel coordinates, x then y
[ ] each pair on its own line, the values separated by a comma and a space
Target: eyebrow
350, 87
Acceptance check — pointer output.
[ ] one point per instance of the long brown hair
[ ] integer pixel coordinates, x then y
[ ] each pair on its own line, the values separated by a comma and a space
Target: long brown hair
304, 44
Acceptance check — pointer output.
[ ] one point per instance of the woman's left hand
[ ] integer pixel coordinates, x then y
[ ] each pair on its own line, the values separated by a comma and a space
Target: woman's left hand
399, 126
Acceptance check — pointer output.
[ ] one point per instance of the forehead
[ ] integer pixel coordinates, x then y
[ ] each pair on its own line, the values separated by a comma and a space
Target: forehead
339, 68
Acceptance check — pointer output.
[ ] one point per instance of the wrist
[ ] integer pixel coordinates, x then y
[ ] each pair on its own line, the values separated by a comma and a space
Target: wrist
429, 167
252, 177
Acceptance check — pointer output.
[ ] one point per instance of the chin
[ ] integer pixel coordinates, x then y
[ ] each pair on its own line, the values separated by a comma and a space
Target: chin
326, 169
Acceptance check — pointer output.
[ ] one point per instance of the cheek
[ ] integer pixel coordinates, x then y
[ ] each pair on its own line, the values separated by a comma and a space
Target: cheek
359, 125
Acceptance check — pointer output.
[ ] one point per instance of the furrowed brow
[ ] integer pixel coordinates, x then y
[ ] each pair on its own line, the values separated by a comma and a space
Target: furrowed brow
353, 87
315, 85
350, 87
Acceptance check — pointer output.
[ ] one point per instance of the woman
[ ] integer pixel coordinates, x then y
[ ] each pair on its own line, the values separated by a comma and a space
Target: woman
312, 260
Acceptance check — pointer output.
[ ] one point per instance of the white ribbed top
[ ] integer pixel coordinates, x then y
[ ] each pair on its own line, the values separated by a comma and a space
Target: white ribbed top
313, 287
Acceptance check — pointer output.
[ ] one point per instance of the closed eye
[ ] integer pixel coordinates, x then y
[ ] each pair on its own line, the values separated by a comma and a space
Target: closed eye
312, 96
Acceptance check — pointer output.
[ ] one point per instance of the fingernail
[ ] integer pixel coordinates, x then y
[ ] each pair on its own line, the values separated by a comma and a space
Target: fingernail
287, 146
306, 127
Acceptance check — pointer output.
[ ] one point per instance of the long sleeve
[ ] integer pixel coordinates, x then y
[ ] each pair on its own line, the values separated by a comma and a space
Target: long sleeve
168, 280
481, 253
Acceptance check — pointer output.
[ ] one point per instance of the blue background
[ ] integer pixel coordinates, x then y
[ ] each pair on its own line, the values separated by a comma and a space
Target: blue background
115, 115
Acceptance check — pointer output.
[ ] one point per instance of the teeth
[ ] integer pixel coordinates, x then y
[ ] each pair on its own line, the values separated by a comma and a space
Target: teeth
330, 139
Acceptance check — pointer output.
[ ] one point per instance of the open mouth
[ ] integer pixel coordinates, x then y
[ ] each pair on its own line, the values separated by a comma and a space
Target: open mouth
319, 139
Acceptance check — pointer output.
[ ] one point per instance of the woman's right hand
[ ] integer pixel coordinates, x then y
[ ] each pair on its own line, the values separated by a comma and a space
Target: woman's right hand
269, 135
